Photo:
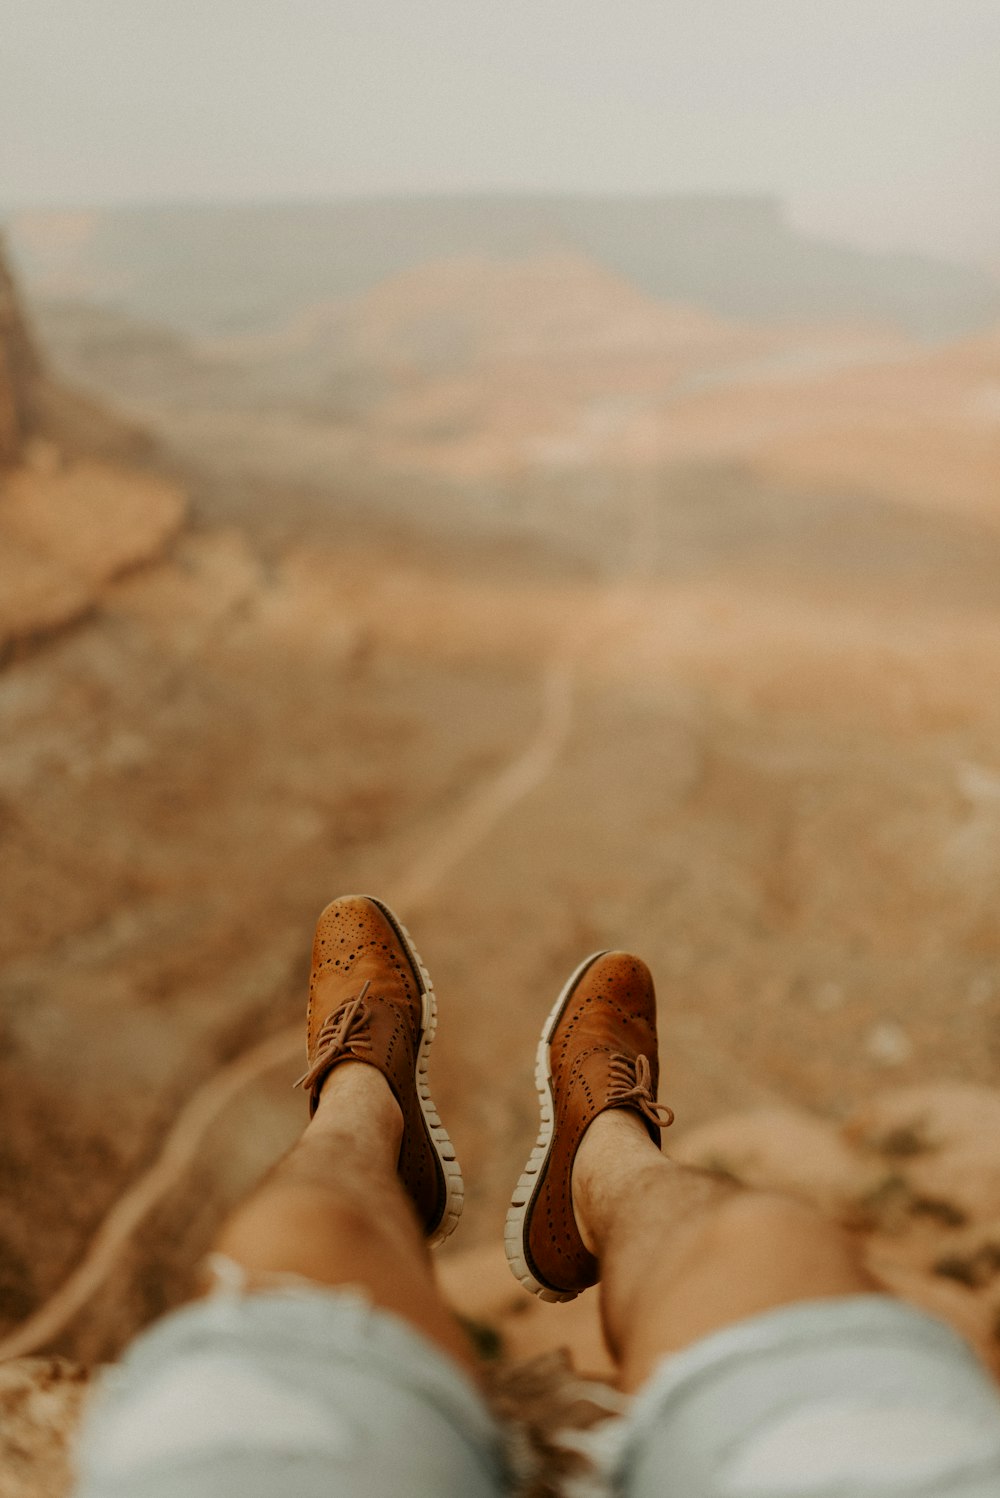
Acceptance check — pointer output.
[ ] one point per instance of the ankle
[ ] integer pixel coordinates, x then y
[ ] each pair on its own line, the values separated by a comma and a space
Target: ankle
355, 1098
614, 1151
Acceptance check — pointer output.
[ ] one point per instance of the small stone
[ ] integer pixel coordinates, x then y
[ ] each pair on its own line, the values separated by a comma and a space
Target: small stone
889, 1045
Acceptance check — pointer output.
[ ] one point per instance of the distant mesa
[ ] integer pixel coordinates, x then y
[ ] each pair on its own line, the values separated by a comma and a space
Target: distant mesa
443, 316
525, 308
243, 268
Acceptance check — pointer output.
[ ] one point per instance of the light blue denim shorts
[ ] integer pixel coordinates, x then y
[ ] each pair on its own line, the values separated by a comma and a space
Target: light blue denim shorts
301, 1392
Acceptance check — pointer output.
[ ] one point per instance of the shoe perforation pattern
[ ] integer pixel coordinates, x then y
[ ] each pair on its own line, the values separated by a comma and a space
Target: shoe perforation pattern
608, 1007
359, 940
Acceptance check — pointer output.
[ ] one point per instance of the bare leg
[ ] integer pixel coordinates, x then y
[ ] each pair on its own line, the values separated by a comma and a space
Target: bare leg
335, 1212
683, 1254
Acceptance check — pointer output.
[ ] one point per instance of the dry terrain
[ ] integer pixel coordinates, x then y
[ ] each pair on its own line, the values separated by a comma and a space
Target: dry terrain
562, 619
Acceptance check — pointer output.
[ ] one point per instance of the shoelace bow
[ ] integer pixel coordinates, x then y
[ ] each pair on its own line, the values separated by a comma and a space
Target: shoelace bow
341, 1034
634, 1083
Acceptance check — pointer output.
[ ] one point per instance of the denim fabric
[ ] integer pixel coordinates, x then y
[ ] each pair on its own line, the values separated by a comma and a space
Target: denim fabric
861, 1397
311, 1393
297, 1392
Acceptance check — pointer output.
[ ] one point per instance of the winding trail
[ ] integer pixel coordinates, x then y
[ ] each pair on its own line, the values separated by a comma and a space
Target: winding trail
490, 803
472, 823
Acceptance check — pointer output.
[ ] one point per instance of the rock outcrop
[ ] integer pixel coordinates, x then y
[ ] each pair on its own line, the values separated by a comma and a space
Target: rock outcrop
20, 372
73, 514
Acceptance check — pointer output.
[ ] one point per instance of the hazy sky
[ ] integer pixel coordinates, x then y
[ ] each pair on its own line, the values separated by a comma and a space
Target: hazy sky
878, 120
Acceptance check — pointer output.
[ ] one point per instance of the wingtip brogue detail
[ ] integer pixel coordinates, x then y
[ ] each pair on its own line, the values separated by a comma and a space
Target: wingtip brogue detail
598, 1051
371, 1000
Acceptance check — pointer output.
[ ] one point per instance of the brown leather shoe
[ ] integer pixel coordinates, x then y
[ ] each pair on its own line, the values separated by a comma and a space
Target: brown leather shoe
371, 999
597, 1051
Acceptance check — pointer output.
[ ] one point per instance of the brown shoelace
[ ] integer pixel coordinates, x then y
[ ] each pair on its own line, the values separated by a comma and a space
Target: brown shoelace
341, 1034
633, 1083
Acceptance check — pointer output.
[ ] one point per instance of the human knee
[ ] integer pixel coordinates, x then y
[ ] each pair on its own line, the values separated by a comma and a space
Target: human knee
769, 1220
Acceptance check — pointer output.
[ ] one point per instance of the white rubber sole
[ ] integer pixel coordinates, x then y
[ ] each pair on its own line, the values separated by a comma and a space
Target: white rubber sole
534, 1170
442, 1145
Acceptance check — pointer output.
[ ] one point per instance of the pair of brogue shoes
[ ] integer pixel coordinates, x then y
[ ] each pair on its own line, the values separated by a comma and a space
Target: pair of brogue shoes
371, 999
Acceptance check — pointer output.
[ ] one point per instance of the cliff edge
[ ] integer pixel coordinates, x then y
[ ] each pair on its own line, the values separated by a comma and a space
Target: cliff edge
74, 510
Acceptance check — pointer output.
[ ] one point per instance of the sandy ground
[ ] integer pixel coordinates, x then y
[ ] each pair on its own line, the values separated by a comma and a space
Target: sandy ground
726, 705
